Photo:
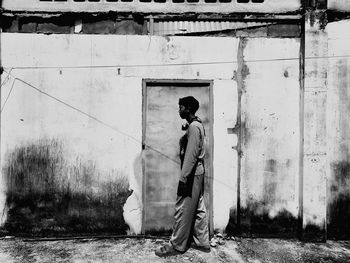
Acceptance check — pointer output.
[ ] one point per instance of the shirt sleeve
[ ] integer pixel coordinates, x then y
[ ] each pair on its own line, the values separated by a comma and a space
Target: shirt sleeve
192, 151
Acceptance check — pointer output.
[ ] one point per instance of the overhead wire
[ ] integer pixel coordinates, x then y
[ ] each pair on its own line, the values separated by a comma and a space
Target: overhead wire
7, 78
8, 95
176, 64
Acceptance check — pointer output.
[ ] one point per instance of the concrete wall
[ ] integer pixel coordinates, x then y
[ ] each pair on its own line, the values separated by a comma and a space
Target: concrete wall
270, 139
338, 125
268, 6
68, 158
315, 139
339, 5
76, 163
326, 143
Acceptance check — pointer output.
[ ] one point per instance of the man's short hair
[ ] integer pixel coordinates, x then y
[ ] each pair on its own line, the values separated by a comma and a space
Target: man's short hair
190, 103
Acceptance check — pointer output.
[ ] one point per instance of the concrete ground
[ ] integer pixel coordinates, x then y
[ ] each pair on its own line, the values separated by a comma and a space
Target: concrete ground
142, 250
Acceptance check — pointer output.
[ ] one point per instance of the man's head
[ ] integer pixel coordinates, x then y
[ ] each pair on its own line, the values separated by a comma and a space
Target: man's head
188, 105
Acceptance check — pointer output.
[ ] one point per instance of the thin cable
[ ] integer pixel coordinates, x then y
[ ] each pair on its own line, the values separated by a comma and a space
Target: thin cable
177, 64
8, 95
126, 66
91, 117
7, 78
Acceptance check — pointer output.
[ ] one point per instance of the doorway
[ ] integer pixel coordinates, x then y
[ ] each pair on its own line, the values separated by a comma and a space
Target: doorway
161, 134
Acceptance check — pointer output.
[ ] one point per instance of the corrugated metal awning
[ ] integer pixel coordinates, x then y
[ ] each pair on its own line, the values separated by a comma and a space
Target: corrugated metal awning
188, 27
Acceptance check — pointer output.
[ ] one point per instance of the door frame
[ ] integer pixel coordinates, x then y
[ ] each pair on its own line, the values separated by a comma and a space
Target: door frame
180, 82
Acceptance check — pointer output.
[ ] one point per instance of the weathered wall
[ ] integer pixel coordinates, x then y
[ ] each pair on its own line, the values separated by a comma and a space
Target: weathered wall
268, 6
84, 154
315, 139
339, 5
64, 163
338, 125
270, 137
225, 152
326, 188
64, 171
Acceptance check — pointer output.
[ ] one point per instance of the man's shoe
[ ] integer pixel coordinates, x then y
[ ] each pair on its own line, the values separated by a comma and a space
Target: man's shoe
166, 251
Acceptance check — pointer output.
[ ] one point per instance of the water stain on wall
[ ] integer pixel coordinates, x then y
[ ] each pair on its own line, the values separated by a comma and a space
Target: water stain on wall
314, 233
339, 204
46, 195
284, 224
270, 182
338, 193
255, 219
232, 227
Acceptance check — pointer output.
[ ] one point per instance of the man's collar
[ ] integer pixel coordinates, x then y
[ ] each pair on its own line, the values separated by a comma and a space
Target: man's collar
185, 126
195, 118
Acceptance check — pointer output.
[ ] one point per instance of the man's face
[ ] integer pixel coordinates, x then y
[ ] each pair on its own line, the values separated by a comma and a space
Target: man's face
183, 112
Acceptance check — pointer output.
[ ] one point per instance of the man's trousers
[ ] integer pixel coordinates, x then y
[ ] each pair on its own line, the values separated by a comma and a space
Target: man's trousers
191, 221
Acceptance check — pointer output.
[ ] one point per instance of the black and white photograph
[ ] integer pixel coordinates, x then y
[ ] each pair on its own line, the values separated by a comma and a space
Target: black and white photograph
175, 131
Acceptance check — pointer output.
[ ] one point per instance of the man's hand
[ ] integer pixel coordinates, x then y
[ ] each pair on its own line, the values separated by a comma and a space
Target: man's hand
183, 179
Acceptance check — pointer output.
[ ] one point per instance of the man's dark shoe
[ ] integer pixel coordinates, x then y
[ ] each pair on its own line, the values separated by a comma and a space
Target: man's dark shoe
166, 251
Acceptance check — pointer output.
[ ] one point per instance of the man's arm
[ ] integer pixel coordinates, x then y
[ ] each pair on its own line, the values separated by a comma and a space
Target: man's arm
192, 151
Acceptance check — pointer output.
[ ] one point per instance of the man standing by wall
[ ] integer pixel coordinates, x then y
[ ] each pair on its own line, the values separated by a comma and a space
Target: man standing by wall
191, 223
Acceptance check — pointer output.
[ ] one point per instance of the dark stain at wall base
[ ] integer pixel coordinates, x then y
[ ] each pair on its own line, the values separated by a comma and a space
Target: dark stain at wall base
284, 224
338, 215
338, 226
232, 227
47, 196
314, 233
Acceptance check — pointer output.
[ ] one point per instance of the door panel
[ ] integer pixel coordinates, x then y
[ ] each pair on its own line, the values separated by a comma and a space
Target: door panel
162, 131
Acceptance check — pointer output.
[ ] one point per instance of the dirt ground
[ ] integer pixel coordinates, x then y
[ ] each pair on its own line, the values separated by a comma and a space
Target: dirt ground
130, 250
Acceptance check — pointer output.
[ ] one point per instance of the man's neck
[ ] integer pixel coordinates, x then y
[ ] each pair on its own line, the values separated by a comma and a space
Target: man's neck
190, 118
